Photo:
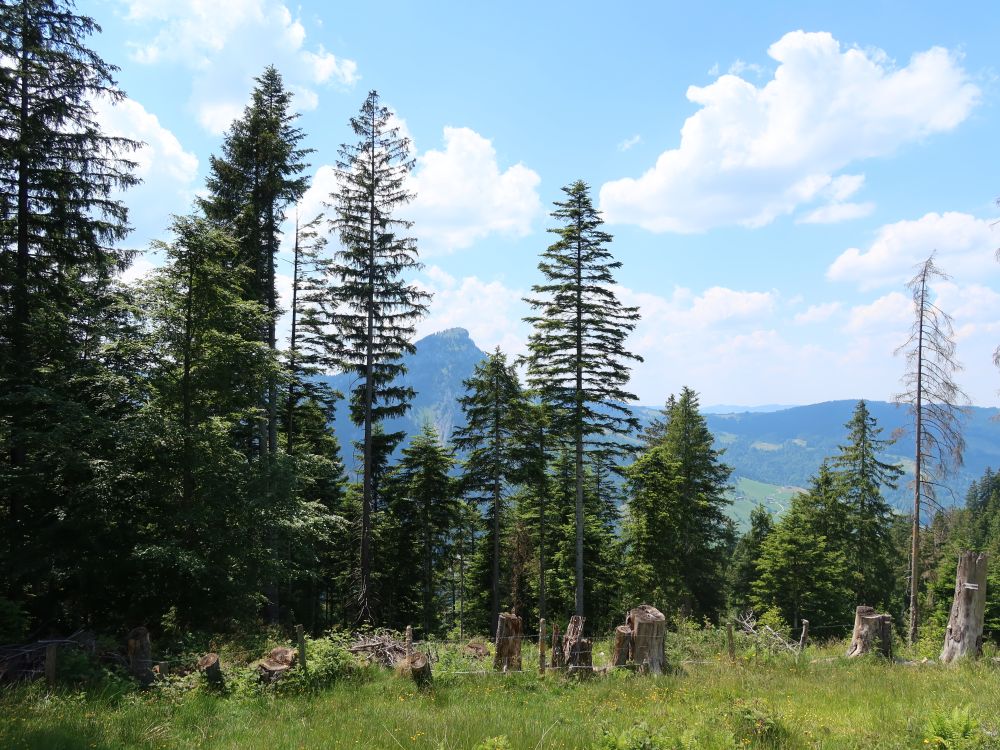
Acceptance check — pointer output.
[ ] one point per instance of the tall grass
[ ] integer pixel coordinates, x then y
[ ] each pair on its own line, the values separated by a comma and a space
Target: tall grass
819, 701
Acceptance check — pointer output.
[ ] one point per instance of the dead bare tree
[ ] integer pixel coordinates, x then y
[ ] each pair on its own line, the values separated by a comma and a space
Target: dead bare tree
937, 404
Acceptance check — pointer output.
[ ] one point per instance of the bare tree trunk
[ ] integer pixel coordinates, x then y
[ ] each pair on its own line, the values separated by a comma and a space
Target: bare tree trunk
964, 636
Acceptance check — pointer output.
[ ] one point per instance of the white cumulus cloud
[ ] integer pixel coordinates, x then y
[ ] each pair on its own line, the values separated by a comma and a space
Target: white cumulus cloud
224, 43
964, 245
753, 153
462, 195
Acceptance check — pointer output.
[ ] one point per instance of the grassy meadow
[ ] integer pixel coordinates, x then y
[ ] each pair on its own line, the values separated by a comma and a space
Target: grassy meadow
762, 701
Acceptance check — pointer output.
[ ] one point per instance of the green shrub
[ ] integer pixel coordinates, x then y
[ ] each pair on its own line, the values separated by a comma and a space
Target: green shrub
328, 661
494, 743
756, 724
639, 737
956, 731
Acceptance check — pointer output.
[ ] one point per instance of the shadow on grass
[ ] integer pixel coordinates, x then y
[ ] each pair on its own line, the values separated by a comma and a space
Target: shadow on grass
55, 738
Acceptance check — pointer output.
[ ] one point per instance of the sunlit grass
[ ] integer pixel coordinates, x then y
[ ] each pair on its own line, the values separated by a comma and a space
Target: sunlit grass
822, 701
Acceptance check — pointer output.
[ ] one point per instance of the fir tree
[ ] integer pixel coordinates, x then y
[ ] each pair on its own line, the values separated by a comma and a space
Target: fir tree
60, 221
494, 410
743, 566
862, 477
577, 356
802, 566
424, 511
677, 493
378, 308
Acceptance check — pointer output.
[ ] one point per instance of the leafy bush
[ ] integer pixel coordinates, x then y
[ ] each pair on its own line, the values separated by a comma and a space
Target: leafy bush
494, 743
328, 661
756, 724
639, 737
956, 731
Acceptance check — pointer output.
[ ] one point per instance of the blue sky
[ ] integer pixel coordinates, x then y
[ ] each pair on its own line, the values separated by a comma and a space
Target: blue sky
770, 174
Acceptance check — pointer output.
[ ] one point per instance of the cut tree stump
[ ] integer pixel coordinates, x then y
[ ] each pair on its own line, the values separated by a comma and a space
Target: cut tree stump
557, 649
964, 636
276, 664
577, 650
211, 667
622, 652
872, 632
507, 653
648, 627
140, 655
418, 667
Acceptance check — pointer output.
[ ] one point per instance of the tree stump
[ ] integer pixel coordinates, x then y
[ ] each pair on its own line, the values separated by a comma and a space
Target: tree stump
577, 650
276, 664
964, 636
507, 654
211, 667
140, 655
872, 631
418, 666
623, 646
648, 627
557, 649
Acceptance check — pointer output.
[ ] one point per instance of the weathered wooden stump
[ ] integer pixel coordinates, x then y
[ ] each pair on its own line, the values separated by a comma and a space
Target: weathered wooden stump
276, 664
140, 655
872, 632
578, 651
648, 627
418, 666
507, 652
557, 649
622, 651
211, 667
964, 636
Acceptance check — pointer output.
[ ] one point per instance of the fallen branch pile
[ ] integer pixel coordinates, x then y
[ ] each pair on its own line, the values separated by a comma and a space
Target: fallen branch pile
381, 648
765, 636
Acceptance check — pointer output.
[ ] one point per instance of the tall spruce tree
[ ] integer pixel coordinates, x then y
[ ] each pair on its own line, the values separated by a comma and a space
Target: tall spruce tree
677, 493
863, 475
577, 358
936, 403
494, 409
743, 565
377, 309
60, 220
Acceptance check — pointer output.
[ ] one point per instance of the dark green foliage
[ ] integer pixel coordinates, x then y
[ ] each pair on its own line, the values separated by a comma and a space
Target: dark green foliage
743, 565
577, 359
676, 533
802, 567
60, 219
862, 475
422, 512
494, 409
377, 309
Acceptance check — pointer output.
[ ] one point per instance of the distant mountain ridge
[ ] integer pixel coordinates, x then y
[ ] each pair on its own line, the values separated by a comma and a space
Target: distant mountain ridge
775, 445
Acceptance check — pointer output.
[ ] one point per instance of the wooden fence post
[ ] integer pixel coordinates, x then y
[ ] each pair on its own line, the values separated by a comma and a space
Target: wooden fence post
409, 642
51, 652
805, 635
301, 638
557, 652
541, 646
730, 644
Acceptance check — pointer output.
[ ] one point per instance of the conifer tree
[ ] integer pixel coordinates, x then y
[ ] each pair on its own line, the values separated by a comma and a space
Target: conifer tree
377, 308
677, 493
424, 510
936, 403
577, 358
60, 220
743, 566
862, 476
803, 571
494, 409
